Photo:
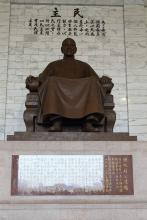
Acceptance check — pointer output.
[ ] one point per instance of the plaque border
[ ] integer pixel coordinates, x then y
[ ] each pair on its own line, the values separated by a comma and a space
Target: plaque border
14, 180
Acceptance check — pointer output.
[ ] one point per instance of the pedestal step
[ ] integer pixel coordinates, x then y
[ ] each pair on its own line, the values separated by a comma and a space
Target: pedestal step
70, 136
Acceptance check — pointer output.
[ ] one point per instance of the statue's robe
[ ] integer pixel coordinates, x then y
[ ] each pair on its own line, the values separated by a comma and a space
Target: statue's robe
69, 88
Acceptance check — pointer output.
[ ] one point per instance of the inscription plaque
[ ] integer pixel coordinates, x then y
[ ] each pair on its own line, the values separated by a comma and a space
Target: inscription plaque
72, 175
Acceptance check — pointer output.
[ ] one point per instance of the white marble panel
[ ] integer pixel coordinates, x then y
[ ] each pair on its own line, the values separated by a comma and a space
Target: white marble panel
4, 37
135, 41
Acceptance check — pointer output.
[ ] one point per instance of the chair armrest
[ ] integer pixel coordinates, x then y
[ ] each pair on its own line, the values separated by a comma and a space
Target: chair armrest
107, 84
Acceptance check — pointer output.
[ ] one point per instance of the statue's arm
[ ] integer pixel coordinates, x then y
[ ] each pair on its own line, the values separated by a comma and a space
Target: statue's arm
93, 73
98, 79
33, 83
105, 82
47, 72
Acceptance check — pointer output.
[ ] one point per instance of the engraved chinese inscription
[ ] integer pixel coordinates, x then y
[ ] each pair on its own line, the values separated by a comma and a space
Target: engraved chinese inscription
76, 24
118, 174
72, 175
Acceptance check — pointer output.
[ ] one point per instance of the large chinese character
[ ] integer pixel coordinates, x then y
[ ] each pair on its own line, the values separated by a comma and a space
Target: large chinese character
55, 13
77, 12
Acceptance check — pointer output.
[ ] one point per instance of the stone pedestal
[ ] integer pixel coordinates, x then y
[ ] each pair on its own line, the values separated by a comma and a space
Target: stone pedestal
96, 207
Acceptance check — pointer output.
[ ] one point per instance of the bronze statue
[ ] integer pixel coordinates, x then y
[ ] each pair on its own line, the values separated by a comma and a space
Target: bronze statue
69, 89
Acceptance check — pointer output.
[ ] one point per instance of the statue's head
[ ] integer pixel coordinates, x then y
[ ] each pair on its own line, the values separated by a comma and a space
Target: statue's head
68, 47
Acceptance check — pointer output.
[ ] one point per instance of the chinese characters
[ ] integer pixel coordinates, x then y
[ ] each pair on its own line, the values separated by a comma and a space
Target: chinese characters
76, 25
118, 174
72, 175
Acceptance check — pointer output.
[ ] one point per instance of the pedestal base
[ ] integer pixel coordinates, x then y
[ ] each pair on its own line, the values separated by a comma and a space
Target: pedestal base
86, 207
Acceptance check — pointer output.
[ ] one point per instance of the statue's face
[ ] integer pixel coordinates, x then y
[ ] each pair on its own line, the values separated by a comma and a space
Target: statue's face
68, 47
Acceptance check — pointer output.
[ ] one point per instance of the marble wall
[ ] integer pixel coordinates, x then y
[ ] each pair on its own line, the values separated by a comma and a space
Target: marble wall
4, 37
136, 67
121, 54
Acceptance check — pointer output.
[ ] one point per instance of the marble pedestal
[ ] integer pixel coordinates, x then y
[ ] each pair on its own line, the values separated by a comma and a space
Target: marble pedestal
103, 207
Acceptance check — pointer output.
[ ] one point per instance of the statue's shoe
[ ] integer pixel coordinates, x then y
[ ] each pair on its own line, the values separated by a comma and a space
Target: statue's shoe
88, 127
56, 127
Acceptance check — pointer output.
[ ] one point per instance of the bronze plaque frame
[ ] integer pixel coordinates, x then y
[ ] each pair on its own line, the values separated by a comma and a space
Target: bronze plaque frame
118, 178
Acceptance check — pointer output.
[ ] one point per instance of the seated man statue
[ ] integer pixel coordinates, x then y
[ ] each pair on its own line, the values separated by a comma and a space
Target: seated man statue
69, 89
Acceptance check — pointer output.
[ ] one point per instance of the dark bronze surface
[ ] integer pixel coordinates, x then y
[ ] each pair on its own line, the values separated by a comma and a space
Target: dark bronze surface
14, 174
69, 92
70, 136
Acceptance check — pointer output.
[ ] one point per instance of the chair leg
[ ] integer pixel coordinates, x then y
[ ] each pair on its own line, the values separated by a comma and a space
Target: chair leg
29, 119
110, 118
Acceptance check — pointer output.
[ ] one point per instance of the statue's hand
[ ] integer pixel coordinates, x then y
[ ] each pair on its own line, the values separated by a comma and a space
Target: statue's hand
30, 79
32, 83
105, 80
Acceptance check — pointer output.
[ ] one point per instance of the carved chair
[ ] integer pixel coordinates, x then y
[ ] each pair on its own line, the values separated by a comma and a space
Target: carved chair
33, 104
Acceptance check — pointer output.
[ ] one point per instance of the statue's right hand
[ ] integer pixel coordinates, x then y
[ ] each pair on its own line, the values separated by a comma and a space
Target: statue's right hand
30, 79
32, 83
